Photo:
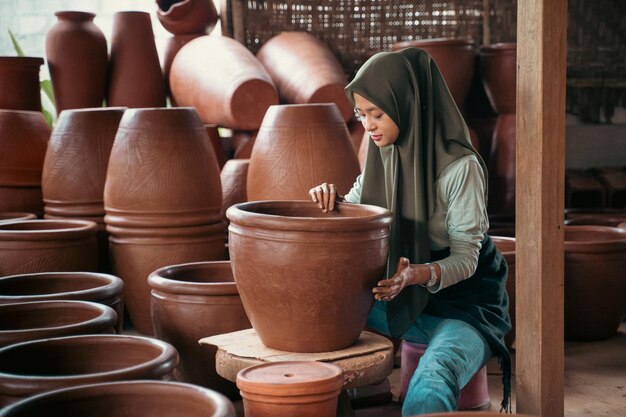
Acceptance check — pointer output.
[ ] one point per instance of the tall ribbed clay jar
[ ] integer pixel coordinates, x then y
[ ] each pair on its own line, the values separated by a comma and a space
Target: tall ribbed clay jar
499, 72
77, 55
306, 277
23, 141
135, 78
235, 93
162, 199
299, 146
75, 168
185, 17
19, 83
305, 70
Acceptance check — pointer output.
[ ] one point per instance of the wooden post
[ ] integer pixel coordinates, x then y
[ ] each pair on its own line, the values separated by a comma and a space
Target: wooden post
540, 161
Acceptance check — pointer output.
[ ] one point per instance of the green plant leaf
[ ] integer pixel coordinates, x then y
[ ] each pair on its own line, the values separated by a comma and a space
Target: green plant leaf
16, 45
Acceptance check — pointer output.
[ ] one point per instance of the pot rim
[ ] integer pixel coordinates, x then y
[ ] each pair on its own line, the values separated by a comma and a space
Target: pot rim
594, 245
21, 61
66, 229
455, 42
162, 283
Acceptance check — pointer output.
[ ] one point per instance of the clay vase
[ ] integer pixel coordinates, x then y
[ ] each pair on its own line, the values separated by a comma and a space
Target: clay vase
305, 70
22, 322
13, 216
186, 17
19, 83
216, 144
78, 59
83, 286
300, 146
243, 143
75, 169
234, 94
126, 399
192, 301
47, 245
234, 177
285, 253
506, 246
594, 310
23, 141
38, 366
292, 388
135, 78
163, 200
172, 46
454, 58
498, 69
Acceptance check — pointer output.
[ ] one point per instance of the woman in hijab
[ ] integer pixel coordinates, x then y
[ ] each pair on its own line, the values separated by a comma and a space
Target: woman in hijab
446, 280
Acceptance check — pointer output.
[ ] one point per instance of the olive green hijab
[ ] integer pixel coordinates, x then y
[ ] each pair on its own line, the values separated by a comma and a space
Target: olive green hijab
409, 88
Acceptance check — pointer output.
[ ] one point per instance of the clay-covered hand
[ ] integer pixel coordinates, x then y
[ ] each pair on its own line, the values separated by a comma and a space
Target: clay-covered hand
389, 288
325, 195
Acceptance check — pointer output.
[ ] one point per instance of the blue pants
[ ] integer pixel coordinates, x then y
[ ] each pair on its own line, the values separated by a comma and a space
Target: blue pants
456, 351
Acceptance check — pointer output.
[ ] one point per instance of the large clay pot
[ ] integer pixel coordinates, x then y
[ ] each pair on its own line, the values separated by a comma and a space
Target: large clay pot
135, 78
23, 140
19, 83
185, 17
499, 71
299, 146
77, 55
595, 217
163, 200
172, 46
506, 246
234, 177
47, 245
46, 286
305, 389
595, 288
216, 143
305, 70
37, 366
7, 217
454, 58
22, 322
234, 94
126, 399
192, 301
75, 169
284, 255
243, 143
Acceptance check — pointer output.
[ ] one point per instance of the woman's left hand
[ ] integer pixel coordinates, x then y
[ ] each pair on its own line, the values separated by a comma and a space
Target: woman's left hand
389, 288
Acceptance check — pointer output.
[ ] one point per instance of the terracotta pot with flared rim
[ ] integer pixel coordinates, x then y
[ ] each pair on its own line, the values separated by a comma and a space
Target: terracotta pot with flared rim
19, 83
47, 245
192, 301
454, 58
23, 141
37, 366
307, 389
126, 399
305, 70
137, 252
78, 59
7, 217
591, 220
299, 146
48, 286
595, 288
499, 71
186, 17
235, 94
135, 78
305, 277
502, 166
506, 246
35, 320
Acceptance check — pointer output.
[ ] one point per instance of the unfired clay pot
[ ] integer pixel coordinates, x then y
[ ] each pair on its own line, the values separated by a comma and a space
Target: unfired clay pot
506, 246
595, 288
305, 70
7, 217
126, 399
78, 58
22, 322
23, 141
37, 366
298, 147
185, 17
19, 83
293, 388
47, 245
46, 286
305, 277
192, 301
234, 94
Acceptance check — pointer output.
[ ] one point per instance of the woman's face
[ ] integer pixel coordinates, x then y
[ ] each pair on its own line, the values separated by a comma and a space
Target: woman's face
380, 127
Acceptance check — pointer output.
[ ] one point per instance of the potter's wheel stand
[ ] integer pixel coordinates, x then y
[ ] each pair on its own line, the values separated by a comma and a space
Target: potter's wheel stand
368, 361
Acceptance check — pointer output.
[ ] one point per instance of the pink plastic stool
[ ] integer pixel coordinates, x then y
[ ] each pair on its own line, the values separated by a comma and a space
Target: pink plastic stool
473, 395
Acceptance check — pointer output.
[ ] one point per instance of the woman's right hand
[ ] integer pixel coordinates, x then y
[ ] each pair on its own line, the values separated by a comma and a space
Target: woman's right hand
325, 195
